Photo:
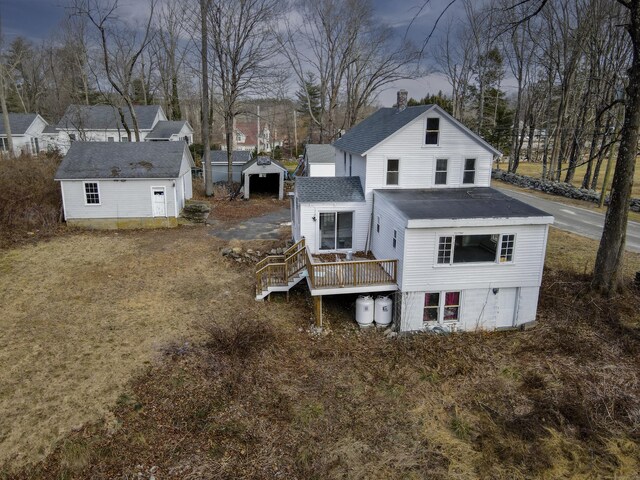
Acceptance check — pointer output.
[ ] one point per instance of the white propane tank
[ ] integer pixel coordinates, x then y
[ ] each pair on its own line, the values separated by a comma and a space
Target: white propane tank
364, 311
383, 311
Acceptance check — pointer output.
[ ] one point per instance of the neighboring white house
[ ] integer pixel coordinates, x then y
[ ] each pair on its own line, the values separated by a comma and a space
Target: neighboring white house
319, 160
171, 131
102, 123
220, 165
26, 133
412, 188
125, 185
265, 175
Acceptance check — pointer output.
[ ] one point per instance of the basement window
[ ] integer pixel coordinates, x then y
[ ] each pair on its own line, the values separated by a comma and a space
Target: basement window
441, 307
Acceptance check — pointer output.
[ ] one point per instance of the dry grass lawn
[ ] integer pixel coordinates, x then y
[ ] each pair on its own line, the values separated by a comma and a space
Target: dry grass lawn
83, 313
533, 169
255, 395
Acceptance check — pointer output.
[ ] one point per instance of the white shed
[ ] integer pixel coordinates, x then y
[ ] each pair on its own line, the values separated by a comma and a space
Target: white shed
125, 185
263, 174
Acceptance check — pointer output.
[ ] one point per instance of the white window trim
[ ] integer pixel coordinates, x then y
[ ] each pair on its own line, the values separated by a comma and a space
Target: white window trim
386, 171
394, 240
441, 300
353, 230
166, 210
84, 193
435, 171
475, 170
424, 135
378, 224
496, 261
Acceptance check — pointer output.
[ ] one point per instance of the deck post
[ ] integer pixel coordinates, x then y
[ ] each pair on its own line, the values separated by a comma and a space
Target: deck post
317, 310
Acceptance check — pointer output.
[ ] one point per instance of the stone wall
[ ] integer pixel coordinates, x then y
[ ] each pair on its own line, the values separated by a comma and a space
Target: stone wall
556, 188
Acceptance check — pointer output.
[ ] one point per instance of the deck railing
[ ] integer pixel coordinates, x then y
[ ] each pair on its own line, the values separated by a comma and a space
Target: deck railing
277, 270
356, 273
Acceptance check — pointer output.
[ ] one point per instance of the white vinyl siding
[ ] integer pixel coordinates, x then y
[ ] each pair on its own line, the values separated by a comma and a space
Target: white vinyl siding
382, 242
423, 273
310, 228
418, 161
322, 170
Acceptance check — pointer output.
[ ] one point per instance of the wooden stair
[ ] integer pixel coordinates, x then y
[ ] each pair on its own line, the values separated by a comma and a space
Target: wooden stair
279, 273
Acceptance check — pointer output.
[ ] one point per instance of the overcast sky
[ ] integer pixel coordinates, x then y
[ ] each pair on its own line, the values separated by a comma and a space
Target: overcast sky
38, 19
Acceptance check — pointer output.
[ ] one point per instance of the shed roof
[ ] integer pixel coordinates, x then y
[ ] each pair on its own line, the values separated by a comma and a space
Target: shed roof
238, 157
165, 129
263, 161
106, 117
20, 123
320, 153
329, 189
122, 160
457, 203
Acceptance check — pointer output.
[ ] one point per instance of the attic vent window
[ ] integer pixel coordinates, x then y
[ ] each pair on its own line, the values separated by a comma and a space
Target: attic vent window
433, 131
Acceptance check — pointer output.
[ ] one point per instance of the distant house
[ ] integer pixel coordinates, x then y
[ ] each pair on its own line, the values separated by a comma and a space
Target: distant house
247, 137
219, 164
26, 133
125, 185
411, 212
319, 160
171, 130
102, 123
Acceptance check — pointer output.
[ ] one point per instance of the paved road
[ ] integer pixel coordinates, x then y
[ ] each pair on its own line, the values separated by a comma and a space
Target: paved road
265, 227
575, 219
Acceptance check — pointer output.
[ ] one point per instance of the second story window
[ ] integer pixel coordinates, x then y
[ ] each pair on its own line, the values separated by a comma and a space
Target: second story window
506, 248
469, 175
378, 224
441, 171
393, 171
433, 131
395, 238
484, 248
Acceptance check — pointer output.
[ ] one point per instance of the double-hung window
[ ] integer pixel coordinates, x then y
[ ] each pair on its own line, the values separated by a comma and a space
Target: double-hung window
469, 174
433, 131
91, 193
393, 171
395, 238
441, 171
441, 307
485, 248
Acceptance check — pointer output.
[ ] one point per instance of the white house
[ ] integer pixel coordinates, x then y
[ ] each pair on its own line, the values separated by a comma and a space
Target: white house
319, 160
26, 133
411, 203
102, 123
125, 185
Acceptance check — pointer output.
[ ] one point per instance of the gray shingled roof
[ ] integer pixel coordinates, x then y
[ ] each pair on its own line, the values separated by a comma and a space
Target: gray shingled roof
329, 189
106, 117
164, 129
319, 153
19, 122
271, 160
239, 157
375, 128
455, 203
122, 160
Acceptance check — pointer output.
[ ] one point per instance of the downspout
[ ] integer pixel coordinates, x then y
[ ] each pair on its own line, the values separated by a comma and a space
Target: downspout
369, 233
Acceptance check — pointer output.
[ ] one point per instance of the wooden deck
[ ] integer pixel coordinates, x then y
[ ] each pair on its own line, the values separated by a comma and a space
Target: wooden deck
353, 273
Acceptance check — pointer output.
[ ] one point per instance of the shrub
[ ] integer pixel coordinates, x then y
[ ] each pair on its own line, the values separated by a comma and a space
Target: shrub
30, 198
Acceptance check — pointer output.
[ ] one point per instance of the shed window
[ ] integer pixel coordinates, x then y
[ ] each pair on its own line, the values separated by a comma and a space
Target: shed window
469, 175
92, 193
441, 171
393, 171
433, 131
507, 244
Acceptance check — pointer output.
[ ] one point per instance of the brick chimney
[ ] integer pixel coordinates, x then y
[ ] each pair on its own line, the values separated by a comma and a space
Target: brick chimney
402, 100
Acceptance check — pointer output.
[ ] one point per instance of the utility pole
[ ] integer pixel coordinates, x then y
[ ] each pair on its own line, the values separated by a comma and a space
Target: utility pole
258, 133
208, 170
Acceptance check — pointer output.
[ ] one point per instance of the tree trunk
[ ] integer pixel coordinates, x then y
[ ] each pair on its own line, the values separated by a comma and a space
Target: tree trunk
607, 274
206, 163
5, 113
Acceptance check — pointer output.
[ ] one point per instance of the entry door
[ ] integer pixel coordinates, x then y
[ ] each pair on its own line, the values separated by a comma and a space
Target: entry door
159, 202
507, 298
